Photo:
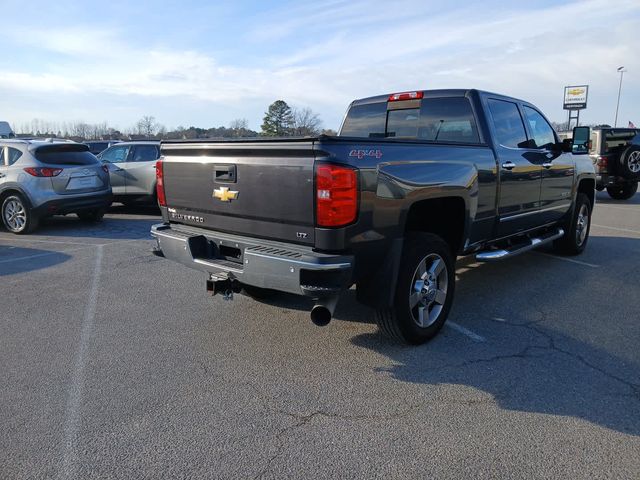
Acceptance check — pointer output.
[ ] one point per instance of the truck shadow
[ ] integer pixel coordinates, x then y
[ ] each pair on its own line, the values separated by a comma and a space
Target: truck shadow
535, 357
110, 228
604, 198
14, 260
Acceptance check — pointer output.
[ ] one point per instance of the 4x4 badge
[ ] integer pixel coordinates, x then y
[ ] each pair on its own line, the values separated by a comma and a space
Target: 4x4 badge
224, 194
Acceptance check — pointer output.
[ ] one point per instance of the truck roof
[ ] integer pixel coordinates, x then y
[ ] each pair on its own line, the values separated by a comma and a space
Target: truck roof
451, 92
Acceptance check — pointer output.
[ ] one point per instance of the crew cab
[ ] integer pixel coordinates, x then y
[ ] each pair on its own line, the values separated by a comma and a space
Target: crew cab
412, 180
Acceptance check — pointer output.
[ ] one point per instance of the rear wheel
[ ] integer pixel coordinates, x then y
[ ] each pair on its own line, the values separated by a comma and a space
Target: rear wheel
17, 216
91, 215
623, 191
576, 229
424, 291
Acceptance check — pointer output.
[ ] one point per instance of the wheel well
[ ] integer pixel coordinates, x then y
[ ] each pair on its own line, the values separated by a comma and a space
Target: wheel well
441, 216
588, 187
10, 191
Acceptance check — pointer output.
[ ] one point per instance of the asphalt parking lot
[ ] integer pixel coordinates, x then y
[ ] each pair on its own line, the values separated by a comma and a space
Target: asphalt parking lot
117, 364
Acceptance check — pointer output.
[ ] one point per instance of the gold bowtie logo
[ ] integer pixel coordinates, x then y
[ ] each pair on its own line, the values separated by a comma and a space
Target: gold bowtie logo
224, 194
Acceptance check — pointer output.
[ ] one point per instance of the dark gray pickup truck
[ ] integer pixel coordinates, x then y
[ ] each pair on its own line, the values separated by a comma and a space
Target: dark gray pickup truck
412, 180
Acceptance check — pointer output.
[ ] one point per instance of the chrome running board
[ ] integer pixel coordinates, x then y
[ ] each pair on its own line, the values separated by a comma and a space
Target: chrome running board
535, 242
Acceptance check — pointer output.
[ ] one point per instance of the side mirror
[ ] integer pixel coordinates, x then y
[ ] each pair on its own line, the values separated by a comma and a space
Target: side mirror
567, 145
581, 140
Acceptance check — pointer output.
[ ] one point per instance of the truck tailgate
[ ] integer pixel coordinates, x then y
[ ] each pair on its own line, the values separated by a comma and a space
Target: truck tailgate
262, 189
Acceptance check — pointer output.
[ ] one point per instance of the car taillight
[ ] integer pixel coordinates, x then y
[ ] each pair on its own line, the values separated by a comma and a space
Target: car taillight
602, 162
397, 97
43, 171
162, 201
336, 195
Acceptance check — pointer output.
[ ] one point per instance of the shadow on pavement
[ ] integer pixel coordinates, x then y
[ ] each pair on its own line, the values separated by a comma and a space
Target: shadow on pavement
19, 260
112, 227
531, 361
604, 198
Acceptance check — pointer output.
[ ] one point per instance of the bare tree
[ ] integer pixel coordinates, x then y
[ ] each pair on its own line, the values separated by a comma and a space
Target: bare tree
147, 126
305, 122
239, 127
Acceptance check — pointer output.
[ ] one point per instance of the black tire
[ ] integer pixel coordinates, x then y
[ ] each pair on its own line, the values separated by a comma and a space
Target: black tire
258, 293
623, 191
576, 228
630, 162
402, 322
17, 215
91, 215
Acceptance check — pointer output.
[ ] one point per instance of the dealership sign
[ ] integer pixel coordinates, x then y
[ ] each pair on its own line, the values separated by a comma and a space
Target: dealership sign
575, 98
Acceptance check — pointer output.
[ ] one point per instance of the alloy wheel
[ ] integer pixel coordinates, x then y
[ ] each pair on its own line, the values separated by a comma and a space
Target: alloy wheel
428, 292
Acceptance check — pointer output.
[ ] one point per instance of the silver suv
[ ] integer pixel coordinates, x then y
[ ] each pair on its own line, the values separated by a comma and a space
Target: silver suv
41, 178
132, 167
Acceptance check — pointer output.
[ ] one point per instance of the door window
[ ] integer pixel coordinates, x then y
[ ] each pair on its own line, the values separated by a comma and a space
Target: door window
542, 132
2, 149
115, 154
145, 153
508, 124
448, 120
13, 154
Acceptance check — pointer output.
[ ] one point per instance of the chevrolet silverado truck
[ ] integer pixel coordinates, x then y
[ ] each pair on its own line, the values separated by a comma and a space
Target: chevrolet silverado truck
411, 181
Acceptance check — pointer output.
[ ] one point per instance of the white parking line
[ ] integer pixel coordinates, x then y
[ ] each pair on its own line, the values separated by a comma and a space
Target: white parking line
616, 228
74, 401
465, 331
570, 260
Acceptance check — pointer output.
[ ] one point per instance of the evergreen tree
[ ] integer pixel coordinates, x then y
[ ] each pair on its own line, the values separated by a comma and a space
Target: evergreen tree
277, 120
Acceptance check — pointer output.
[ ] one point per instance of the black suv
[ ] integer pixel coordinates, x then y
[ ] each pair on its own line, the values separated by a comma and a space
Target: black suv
616, 156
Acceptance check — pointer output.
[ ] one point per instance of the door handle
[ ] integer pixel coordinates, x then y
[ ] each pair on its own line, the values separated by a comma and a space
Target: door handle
508, 165
547, 164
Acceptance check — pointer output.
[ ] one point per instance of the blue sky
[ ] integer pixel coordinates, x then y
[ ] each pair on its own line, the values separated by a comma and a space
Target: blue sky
206, 63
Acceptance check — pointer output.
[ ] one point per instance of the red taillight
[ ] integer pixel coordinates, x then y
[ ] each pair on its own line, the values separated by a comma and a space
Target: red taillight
162, 201
336, 195
602, 162
43, 171
396, 97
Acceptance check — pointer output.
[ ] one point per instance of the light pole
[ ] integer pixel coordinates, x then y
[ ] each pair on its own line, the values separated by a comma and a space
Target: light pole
621, 70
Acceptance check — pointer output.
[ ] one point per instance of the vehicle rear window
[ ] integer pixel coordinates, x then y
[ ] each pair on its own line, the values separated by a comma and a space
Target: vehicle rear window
617, 138
65, 155
366, 121
437, 120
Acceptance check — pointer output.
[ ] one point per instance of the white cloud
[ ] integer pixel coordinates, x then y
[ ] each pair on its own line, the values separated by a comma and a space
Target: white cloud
346, 50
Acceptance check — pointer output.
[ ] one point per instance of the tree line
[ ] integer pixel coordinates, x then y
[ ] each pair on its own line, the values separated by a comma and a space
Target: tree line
279, 120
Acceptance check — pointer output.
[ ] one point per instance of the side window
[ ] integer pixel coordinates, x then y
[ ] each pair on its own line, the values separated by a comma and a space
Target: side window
115, 154
448, 120
13, 154
542, 132
145, 153
508, 124
2, 149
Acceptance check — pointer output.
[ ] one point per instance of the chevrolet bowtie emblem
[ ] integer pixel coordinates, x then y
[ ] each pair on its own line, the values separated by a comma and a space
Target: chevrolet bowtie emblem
224, 194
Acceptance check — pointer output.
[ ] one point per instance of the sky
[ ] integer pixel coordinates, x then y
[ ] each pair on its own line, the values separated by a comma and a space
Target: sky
206, 63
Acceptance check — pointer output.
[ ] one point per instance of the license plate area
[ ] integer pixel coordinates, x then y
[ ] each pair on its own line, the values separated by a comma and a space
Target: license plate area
204, 248
81, 183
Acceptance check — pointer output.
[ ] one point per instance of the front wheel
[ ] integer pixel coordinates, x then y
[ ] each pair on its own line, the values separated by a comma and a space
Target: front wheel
424, 291
623, 191
17, 216
576, 229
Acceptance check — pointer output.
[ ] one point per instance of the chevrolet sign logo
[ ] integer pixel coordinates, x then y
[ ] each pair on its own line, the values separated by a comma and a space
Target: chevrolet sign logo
224, 194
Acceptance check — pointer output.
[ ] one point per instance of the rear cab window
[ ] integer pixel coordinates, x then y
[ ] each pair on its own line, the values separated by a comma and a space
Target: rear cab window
65, 154
440, 119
